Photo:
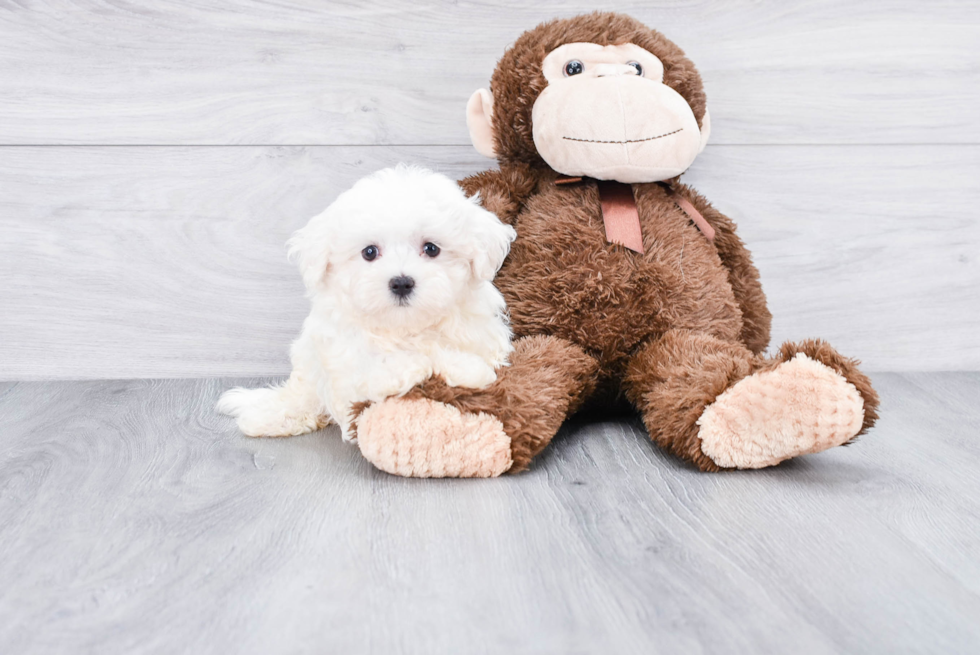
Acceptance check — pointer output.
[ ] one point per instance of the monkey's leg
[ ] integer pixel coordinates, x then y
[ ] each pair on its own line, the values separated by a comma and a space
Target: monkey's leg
714, 404
440, 431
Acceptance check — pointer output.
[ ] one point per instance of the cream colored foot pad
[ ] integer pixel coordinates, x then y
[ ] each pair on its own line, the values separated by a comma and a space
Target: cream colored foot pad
802, 406
426, 439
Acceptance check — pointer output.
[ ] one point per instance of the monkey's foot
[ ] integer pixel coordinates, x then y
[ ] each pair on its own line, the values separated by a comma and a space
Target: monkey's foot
801, 406
428, 439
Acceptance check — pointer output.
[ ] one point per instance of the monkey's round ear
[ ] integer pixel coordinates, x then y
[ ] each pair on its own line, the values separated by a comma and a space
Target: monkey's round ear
705, 130
479, 118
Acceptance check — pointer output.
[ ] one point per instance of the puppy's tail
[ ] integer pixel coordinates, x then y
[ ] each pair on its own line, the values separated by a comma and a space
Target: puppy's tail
235, 402
274, 412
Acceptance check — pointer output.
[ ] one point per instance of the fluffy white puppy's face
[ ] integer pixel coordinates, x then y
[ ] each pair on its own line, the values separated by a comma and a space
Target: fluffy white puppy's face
400, 249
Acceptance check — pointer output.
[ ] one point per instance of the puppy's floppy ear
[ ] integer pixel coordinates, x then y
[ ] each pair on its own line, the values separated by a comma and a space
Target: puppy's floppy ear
309, 247
490, 239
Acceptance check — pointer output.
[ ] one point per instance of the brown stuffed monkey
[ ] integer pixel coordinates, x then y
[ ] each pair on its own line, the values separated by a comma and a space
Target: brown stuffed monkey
622, 282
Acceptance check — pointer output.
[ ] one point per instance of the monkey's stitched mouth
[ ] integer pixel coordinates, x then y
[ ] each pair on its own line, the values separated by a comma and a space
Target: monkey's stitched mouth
652, 138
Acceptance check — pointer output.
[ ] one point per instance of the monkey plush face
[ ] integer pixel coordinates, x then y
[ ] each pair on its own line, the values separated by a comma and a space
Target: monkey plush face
607, 114
622, 107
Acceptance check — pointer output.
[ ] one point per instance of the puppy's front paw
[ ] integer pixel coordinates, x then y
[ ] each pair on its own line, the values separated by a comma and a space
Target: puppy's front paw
478, 377
465, 370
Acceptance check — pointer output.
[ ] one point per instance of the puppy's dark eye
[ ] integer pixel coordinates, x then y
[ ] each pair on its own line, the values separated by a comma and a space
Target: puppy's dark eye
370, 253
636, 65
430, 249
574, 67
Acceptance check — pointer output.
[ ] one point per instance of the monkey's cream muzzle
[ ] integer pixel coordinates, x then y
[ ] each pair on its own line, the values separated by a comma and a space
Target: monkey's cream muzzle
610, 123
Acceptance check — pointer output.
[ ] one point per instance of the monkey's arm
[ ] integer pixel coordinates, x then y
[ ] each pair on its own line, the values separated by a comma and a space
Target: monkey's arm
503, 192
742, 273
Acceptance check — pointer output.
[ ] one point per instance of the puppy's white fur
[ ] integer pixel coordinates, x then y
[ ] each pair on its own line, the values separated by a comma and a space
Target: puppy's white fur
361, 342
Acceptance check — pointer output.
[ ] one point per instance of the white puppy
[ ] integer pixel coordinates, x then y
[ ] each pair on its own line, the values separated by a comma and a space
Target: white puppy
398, 271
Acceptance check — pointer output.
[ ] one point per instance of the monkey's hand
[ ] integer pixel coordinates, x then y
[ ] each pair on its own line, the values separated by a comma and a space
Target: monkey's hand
502, 192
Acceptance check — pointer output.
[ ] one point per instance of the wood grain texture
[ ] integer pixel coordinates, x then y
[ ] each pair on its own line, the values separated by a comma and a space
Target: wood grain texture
169, 262
135, 520
399, 71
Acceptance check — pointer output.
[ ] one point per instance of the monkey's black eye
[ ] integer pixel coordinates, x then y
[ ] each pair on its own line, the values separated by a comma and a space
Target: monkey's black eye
370, 253
574, 67
431, 250
636, 65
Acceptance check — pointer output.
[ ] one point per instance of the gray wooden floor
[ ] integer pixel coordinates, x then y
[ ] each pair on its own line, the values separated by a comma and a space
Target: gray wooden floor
133, 519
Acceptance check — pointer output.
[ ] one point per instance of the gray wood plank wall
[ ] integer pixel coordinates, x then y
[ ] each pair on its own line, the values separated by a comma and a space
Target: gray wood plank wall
153, 159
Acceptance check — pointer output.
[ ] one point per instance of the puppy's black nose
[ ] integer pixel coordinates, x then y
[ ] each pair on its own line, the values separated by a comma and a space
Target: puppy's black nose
401, 286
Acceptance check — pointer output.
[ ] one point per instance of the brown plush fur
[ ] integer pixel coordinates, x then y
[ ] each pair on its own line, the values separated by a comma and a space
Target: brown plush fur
742, 274
672, 328
673, 378
564, 279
